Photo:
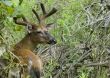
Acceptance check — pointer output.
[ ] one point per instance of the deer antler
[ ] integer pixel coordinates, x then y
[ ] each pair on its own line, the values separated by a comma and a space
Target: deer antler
36, 15
43, 8
24, 22
54, 10
45, 14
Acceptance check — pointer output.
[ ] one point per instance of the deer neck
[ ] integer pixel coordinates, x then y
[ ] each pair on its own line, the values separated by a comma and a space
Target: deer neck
26, 43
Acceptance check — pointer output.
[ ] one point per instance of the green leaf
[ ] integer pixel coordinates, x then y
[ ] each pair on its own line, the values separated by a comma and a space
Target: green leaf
18, 28
10, 10
20, 2
15, 2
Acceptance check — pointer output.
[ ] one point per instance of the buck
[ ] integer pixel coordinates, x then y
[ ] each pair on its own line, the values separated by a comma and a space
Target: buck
37, 34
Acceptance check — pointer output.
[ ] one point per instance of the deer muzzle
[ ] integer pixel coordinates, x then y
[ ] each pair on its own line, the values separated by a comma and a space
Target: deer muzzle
52, 41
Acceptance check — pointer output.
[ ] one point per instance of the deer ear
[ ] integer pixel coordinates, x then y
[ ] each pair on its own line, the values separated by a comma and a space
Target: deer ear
50, 26
30, 28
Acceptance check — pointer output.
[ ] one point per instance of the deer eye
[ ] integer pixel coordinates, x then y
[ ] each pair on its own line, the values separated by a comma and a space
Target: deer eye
39, 32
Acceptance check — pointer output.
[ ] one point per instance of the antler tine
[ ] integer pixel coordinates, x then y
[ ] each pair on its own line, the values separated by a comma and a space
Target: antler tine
24, 19
45, 15
54, 10
36, 15
19, 22
43, 8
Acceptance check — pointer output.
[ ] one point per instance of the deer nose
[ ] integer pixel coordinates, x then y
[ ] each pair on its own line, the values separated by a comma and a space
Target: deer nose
52, 41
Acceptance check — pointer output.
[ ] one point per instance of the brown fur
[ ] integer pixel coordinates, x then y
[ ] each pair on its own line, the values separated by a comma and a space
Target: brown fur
23, 50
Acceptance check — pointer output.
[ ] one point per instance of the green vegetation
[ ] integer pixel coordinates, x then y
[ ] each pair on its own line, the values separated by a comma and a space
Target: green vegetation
81, 29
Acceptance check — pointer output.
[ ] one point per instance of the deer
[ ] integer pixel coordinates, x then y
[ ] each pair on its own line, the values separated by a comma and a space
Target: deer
37, 34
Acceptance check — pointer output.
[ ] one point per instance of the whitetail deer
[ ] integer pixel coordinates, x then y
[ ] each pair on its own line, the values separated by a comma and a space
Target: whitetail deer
38, 34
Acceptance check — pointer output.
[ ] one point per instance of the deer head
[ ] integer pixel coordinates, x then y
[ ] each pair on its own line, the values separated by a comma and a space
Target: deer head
38, 33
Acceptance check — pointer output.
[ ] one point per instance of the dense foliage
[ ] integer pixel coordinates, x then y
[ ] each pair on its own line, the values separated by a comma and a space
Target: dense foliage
81, 29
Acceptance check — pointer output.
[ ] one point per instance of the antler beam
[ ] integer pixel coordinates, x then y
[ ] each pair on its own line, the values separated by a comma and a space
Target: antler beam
24, 22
